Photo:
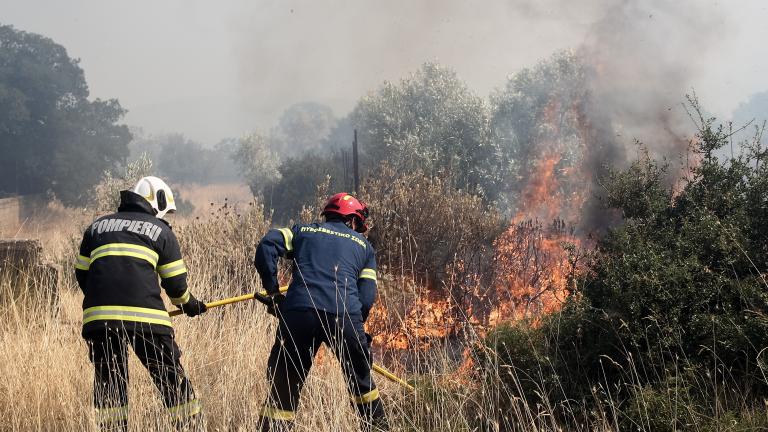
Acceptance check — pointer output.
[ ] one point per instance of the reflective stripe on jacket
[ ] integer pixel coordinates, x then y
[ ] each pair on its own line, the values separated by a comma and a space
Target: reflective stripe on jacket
124, 259
334, 267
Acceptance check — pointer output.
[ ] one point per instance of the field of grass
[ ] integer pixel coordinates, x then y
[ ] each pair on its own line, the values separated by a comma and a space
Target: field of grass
46, 382
46, 376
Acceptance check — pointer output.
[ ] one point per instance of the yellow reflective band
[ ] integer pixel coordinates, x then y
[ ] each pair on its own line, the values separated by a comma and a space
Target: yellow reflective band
126, 313
187, 409
182, 299
368, 273
82, 262
368, 397
288, 237
172, 269
108, 415
277, 414
125, 249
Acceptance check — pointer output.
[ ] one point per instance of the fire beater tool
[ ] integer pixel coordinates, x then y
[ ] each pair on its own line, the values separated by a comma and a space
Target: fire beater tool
381, 370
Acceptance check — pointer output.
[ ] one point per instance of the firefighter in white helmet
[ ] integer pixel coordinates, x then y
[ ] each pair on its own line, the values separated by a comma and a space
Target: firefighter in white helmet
121, 257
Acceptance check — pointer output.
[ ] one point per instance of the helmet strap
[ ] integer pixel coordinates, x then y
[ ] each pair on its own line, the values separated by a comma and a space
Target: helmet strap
350, 221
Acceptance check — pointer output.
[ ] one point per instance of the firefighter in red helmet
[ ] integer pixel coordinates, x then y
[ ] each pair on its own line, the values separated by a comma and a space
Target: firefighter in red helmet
328, 300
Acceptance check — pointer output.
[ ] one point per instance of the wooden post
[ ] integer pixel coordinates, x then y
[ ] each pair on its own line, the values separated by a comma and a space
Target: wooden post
355, 164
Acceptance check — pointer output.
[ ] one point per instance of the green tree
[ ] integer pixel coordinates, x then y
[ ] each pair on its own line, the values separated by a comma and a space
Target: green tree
539, 114
257, 161
297, 184
223, 166
52, 137
183, 160
302, 127
431, 122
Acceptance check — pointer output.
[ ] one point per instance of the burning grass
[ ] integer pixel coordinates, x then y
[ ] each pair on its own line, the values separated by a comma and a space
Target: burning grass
47, 377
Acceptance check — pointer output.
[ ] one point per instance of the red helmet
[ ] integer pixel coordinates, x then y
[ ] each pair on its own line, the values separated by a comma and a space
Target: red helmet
345, 205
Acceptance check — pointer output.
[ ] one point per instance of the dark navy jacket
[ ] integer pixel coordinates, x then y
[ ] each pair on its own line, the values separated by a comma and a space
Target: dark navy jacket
121, 256
334, 268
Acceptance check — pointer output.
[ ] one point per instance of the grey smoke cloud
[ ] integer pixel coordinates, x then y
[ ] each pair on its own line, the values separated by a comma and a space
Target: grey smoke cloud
215, 69
646, 56
641, 58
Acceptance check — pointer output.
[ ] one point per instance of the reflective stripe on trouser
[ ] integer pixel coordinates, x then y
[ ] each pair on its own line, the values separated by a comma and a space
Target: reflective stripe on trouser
160, 356
126, 313
299, 335
186, 409
108, 415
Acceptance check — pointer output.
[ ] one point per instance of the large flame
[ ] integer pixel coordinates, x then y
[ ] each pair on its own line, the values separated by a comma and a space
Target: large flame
534, 265
535, 258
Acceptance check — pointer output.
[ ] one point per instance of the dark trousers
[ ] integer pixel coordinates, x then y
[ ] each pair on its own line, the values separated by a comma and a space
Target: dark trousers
299, 335
161, 356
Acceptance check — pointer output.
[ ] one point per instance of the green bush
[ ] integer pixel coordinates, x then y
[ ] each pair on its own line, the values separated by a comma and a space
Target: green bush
515, 369
674, 298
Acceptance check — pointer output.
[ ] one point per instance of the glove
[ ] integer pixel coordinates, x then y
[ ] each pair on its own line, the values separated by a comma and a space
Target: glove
272, 302
193, 307
272, 308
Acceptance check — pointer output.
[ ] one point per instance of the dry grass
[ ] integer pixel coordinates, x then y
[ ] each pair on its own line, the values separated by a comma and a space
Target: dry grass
206, 199
46, 381
46, 376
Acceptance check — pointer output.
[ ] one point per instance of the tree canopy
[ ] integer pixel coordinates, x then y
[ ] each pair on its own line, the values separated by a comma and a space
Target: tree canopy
52, 137
431, 121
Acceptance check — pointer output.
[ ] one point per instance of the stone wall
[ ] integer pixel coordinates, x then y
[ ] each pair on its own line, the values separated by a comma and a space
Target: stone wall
22, 254
16, 210
24, 273
10, 216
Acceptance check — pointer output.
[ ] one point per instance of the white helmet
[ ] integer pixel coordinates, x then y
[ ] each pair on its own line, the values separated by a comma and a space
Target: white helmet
157, 193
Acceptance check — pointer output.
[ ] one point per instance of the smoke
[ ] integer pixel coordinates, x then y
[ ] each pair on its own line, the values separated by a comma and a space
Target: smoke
335, 52
644, 56
640, 58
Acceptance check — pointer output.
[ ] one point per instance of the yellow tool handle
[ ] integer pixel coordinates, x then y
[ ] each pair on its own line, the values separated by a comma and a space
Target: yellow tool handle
229, 301
392, 377
376, 368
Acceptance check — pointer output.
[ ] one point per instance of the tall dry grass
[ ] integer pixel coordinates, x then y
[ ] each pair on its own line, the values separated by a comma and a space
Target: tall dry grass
46, 377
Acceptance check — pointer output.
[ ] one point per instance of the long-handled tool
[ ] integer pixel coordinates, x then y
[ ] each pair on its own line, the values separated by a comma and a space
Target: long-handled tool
381, 370
218, 303
392, 377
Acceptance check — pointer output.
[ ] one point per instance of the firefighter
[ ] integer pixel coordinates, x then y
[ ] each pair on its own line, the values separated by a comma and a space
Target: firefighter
121, 257
332, 290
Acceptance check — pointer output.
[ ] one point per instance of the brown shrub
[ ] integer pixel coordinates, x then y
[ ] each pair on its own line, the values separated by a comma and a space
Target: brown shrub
421, 226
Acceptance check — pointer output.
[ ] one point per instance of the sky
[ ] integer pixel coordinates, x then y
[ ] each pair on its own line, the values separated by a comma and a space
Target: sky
212, 70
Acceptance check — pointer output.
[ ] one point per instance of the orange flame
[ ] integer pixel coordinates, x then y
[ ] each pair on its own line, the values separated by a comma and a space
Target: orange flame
533, 269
